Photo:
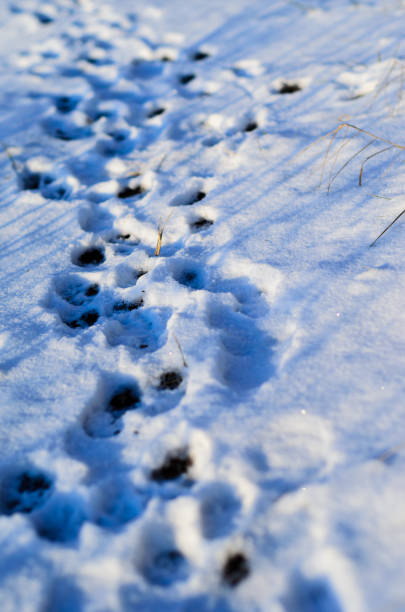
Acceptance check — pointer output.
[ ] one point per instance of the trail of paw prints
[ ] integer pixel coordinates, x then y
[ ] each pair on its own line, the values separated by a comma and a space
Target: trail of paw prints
181, 515
84, 302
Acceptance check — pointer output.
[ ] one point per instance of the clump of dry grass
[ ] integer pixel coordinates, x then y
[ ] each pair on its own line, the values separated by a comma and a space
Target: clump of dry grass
332, 155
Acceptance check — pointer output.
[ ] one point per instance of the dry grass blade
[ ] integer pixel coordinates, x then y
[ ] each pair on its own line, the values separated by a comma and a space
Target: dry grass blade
384, 84
339, 150
393, 160
181, 351
401, 87
11, 158
380, 138
369, 157
391, 452
348, 162
330, 133
375, 195
325, 158
388, 227
160, 164
161, 228
159, 240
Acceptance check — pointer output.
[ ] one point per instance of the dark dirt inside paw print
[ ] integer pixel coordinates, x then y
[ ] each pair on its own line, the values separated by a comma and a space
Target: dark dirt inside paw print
235, 569
128, 306
156, 112
93, 256
63, 134
87, 319
29, 180
124, 399
201, 223
200, 195
92, 290
43, 18
170, 380
189, 278
130, 192
289, 88
189, 198
174, 466
66, 104
186, 78
198, 56
251, 126
139, 273
33, 483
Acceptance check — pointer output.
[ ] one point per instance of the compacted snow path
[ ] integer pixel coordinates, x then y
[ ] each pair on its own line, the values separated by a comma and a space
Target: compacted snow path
201, 359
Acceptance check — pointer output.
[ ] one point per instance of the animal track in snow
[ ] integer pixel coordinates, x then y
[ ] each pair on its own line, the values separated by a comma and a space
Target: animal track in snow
189, 198
75, 290
24, 490
123, 244
119, 141
174, 466
235, 569
200, 224
144, 329
103, 416
307, 595
220, 507
117, 502
67, 104
159, 558
189, 274
127, 276
90, 256
75, 300
86, 319
166, 567
29, 180
170, 380
65, 129
245, 361
61, 519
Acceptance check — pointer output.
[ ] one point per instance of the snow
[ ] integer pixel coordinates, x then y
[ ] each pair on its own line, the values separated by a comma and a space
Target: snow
213, 422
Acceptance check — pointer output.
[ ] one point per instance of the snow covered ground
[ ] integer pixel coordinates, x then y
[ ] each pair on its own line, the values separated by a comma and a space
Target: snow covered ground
218, 427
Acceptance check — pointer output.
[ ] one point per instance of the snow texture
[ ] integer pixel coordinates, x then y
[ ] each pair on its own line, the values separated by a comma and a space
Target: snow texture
201, 358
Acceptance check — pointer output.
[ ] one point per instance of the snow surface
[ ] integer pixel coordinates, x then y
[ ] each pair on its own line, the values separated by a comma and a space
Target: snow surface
219, 427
